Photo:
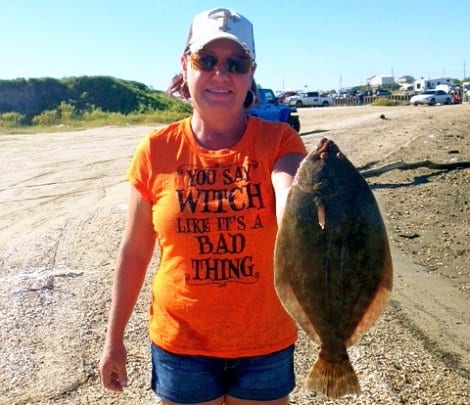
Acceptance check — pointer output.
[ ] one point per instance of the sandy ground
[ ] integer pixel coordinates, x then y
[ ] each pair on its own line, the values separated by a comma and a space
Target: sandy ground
63, 202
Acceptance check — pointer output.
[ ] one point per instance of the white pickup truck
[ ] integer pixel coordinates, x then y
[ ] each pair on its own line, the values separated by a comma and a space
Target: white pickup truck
309, 99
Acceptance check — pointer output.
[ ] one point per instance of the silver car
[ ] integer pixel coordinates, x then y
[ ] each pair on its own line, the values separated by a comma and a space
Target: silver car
431, 97
309, 99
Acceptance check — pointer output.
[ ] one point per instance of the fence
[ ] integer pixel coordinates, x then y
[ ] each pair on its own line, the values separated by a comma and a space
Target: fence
401, 98
349, 101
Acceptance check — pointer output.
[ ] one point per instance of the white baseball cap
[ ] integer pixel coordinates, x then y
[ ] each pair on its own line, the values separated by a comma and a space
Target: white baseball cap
220, 23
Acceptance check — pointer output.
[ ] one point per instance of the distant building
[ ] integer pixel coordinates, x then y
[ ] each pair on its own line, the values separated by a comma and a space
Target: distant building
380, 81
405, 80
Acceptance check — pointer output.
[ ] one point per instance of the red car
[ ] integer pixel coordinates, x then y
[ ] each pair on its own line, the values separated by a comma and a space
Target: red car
282, 97
457, 98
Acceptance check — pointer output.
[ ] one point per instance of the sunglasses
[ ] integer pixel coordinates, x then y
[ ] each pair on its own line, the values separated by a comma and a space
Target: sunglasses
233, 64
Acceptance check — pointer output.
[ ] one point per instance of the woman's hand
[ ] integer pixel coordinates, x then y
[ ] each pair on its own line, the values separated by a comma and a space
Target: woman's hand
113, 367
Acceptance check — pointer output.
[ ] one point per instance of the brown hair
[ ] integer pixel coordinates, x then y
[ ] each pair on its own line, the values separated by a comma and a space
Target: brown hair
178, 87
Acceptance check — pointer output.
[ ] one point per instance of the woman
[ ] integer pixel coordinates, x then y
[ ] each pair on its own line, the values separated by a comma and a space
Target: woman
209, 189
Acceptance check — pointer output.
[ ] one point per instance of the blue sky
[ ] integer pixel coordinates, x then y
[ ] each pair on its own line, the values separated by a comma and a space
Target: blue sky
312, 44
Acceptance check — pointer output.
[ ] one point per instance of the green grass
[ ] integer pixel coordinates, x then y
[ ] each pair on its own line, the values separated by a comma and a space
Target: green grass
66, 120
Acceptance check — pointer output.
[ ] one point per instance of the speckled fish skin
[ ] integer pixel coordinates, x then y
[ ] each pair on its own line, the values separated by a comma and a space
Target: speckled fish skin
333, 268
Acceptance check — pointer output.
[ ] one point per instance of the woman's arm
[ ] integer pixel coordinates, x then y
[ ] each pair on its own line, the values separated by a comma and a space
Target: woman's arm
281, 177
134, 255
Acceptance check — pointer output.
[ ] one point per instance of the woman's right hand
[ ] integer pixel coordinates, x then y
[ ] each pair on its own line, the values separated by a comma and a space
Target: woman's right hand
112, 367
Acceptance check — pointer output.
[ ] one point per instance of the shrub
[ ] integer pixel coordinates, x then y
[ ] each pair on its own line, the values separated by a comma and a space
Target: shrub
386, 102
97, 117
12, 120
67, 112
47, 118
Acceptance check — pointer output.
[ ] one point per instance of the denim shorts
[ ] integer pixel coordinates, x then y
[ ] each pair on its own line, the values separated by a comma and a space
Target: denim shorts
191, 379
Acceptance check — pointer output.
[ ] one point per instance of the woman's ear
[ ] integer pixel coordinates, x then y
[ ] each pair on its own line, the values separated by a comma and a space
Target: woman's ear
184, 62
184, 66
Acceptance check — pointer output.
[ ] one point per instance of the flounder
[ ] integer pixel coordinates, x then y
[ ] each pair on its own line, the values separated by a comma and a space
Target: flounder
332, 263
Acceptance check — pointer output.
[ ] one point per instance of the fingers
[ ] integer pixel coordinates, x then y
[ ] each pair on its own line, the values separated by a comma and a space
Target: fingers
119, 379
117, 383
113, 372
112, 381
109, 378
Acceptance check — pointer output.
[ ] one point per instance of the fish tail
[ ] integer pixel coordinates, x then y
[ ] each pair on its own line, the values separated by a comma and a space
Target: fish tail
333, 379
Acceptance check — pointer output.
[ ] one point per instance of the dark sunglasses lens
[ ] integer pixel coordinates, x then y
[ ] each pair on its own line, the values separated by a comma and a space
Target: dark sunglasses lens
233, 64
237, 64
204, 62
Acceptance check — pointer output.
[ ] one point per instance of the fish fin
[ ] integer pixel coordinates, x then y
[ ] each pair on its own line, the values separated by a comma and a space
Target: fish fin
294, 308
370, 316
377, 304
333, 380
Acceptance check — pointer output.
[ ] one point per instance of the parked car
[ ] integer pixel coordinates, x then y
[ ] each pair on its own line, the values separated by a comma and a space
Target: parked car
343, 94
283, 95
367, 93
269, 108
309, 99
456, 97
363, 97
407, 89
431, 97
383, 93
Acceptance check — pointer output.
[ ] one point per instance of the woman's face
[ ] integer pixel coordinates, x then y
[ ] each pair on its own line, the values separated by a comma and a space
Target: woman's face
218, 91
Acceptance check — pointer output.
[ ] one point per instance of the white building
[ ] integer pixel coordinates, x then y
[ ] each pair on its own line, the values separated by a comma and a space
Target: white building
405, 80
380, 81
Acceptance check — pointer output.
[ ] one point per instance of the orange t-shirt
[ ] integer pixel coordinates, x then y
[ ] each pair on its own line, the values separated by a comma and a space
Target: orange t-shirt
214, 214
